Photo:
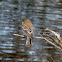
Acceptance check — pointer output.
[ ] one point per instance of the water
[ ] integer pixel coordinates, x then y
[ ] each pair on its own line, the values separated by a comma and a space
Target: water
43, 14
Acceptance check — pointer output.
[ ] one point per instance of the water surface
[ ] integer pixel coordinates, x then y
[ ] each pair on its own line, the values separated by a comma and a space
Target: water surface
43, 14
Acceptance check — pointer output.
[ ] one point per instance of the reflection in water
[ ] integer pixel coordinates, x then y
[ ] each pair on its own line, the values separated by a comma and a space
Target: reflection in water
44, 14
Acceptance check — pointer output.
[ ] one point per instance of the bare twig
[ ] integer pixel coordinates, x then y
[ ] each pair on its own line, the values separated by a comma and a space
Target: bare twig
41, 38
52, 39
19, 35
56, 34
51, 43
53, 59
24, 36
49, 37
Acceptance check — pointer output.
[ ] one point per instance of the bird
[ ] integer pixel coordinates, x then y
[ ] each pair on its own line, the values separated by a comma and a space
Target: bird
28, 30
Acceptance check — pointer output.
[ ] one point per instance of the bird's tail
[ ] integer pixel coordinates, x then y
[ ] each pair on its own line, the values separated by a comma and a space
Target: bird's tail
29, 42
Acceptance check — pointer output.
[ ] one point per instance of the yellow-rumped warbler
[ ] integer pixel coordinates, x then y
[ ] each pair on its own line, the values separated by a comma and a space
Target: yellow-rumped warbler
28, 30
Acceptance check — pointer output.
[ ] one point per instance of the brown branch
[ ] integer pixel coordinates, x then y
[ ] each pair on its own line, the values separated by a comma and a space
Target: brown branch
52, 39
56, 34
19, 35
51, 43
49, 37
41, 38
24, 36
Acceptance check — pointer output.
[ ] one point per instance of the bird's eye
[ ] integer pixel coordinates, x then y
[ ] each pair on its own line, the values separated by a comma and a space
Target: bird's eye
30, 30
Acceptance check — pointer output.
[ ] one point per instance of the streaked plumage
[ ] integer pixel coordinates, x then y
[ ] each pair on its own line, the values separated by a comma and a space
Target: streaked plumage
28, 31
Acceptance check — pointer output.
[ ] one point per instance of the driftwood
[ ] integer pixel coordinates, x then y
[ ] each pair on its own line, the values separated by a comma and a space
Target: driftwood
58, 42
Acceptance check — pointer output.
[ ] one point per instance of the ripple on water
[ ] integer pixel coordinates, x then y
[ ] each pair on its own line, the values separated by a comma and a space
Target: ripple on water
44, 14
